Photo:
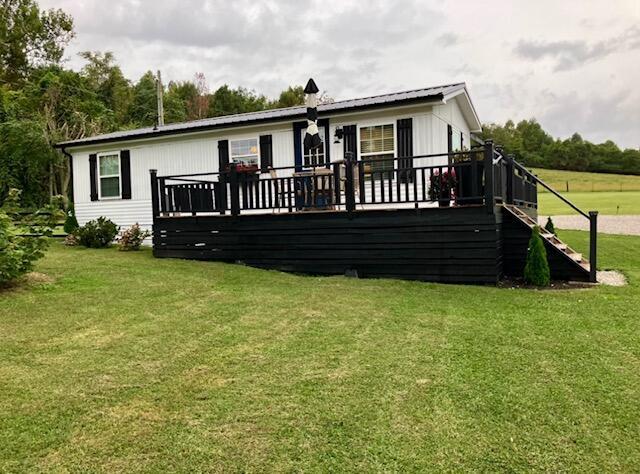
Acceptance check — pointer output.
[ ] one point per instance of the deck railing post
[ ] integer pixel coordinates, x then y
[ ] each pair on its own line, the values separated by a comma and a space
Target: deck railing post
488, 176
349, 192
337, 188
509, 197
162, 201
593, 245
155, 208
234, 189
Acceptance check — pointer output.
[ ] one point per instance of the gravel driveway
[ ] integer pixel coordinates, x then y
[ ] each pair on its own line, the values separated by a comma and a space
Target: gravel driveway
628, 225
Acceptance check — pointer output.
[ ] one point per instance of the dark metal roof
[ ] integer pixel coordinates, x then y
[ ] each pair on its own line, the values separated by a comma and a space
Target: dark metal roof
273, 115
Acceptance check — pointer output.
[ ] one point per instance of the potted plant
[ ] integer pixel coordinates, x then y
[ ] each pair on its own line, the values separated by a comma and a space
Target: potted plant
441, 187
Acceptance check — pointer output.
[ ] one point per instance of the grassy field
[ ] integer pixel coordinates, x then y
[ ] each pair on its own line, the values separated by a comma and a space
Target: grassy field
120, 362
580, 182
589, 191
610, 203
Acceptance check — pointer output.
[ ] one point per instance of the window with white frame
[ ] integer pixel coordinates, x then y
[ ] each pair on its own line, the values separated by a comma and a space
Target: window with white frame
109, 175
245, 152
313, 157
378, 147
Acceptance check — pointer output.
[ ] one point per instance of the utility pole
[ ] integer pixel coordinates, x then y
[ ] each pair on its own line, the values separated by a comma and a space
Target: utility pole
159, 92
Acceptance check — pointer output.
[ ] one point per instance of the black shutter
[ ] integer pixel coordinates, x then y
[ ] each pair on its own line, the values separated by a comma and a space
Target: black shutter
266, 153
223, 155
125, 173
350, 140
93, 176
404, 137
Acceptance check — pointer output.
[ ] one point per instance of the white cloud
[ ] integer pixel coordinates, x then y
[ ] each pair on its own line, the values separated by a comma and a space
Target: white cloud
571, 64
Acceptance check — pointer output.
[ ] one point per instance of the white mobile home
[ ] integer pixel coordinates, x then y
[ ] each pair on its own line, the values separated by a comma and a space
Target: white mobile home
111, 172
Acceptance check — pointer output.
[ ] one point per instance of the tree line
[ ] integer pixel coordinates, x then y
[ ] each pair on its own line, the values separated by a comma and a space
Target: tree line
42, 102
532, 146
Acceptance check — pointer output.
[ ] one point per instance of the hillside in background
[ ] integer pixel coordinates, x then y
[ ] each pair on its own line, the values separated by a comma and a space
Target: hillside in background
532, 146
579, 181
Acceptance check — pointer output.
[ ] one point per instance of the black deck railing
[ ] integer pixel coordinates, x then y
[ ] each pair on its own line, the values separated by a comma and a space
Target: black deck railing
458, 178
344, 185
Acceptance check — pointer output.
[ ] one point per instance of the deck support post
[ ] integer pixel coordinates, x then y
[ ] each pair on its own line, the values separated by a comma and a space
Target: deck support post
155, 198
349, 194
593, 245
234, 189
488, 176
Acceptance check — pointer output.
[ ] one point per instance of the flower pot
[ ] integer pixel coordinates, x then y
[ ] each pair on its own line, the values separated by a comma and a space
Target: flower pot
444, 202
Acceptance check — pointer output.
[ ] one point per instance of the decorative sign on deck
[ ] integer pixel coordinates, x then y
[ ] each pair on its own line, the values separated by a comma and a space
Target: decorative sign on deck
312, 138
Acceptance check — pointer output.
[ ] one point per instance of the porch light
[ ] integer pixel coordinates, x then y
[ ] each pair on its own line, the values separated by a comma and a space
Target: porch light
339, 133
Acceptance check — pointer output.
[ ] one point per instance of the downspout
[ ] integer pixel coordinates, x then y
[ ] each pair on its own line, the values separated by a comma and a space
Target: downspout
68, 155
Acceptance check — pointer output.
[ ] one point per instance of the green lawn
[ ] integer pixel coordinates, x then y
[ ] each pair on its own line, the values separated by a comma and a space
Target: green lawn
128, 363
610, 203
579, 181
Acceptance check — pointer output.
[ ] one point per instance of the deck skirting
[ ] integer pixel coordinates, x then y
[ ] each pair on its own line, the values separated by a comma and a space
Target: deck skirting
458, 244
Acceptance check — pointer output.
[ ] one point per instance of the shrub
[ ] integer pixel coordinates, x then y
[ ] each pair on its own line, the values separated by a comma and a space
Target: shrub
549, 226
97, 233
18, 254
536, 270
132, 238
71, 223
70, 240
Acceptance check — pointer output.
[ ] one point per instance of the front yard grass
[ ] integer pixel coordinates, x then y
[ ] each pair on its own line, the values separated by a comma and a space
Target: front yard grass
123, 362
609, 203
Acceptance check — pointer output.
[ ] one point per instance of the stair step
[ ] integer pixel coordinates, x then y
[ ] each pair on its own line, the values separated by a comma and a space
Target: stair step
551, 238
576, 257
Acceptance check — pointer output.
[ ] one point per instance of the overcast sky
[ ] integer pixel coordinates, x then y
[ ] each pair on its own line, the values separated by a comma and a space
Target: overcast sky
573, 65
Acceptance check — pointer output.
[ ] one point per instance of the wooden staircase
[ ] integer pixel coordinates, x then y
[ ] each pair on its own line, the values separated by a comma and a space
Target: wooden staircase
553, 241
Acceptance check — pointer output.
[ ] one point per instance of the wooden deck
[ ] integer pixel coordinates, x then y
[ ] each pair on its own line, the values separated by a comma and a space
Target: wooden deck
373, 224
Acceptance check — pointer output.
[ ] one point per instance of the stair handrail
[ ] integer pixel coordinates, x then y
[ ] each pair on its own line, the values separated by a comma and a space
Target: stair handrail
549, 188
592, 217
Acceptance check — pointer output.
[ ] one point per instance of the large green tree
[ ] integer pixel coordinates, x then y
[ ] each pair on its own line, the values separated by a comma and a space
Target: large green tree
105, 77
290, 97
143, 110
225, 101
30, 37
54, 105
